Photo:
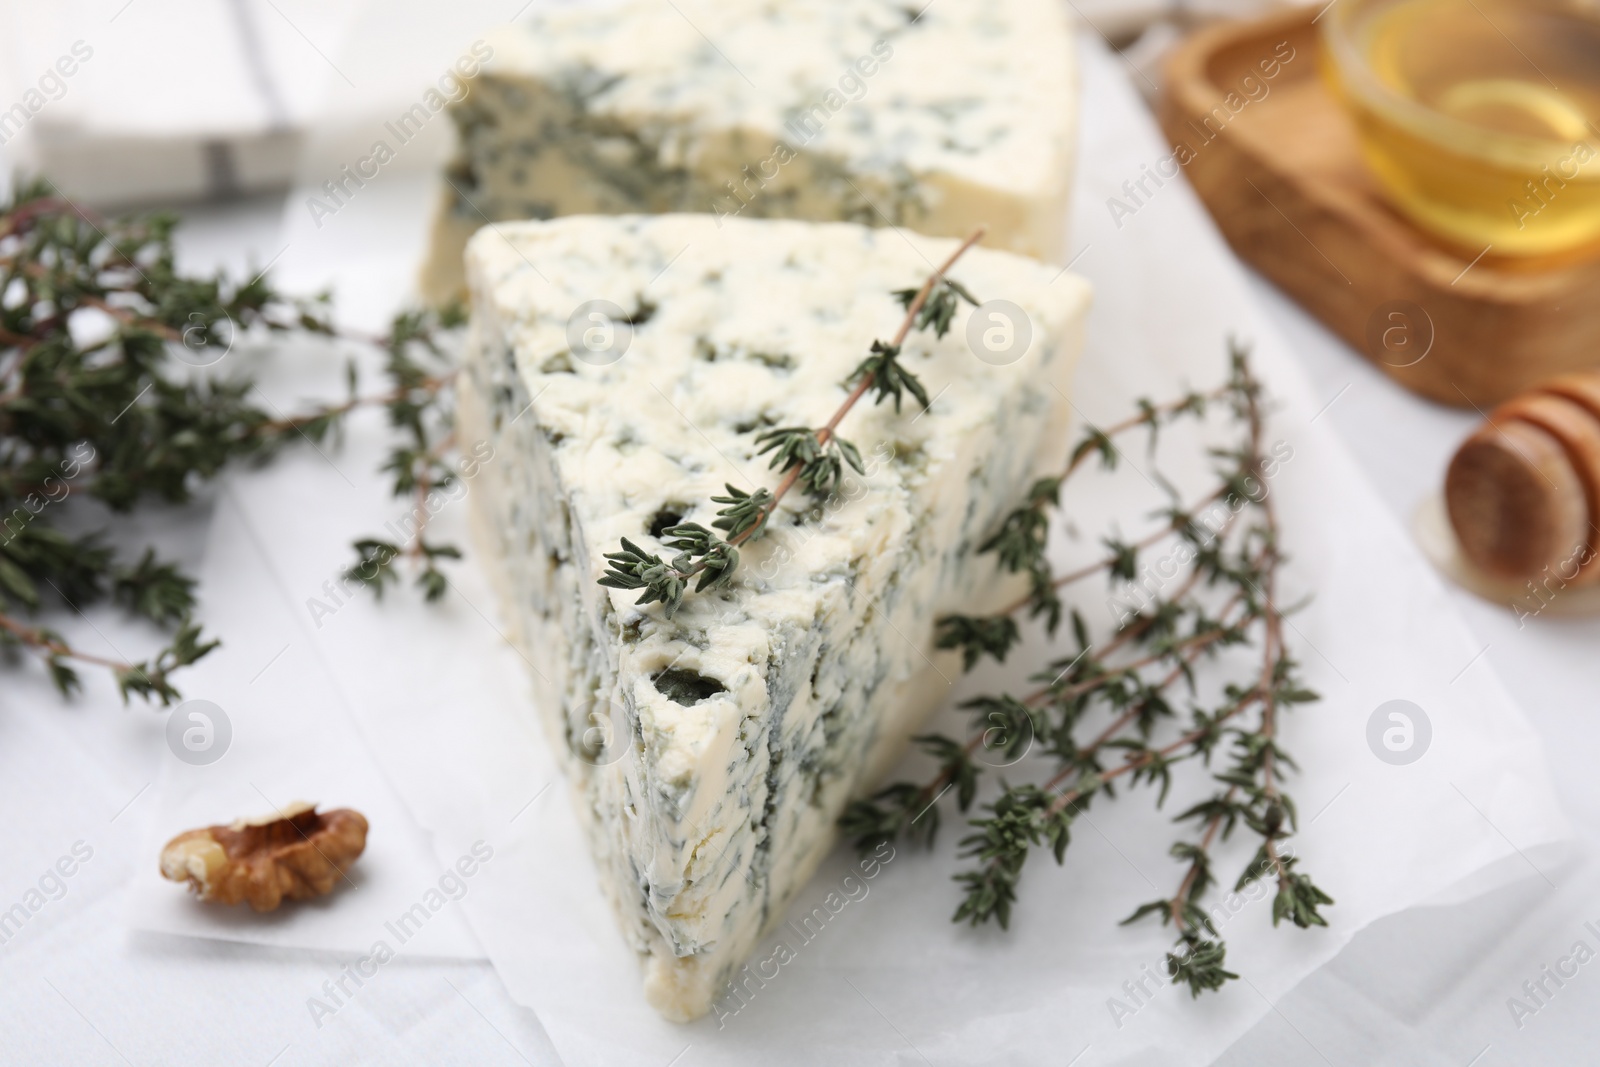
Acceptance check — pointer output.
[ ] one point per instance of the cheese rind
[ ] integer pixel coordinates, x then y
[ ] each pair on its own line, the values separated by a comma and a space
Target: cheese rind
711, 754
810, 109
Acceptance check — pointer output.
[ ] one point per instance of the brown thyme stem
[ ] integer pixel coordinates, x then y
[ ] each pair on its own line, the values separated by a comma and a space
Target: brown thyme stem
1153, 538
861, 387
424, 487
1272, 644
1194, 645
1145, 622
1122, 721
1139, 761
931, 790
1144, 418
1187, 885
130, 318
294, 422
36, 639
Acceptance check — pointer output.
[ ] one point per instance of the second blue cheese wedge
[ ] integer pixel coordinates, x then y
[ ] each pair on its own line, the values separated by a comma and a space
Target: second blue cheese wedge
934, 117
621, 368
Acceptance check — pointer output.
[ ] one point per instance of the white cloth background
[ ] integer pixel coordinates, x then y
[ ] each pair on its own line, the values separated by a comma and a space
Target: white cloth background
168, 99
188, 99
443, 709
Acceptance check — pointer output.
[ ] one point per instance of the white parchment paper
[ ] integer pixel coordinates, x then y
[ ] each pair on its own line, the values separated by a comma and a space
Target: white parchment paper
442, 705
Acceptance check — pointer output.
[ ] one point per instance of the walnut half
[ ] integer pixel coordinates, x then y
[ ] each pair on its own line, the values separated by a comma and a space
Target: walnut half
296, 853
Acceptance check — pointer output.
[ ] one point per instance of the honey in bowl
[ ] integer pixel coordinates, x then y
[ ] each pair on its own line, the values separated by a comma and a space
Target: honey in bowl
1481, 118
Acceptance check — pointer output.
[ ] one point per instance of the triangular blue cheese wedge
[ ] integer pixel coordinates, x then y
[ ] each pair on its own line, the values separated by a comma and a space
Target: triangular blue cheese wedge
937, 117
712, 752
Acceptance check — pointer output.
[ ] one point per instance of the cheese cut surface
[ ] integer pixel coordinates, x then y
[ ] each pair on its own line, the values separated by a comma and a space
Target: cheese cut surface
854, 110
711, 754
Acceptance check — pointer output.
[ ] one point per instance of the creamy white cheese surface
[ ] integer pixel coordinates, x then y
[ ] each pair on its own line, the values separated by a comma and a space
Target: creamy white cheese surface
712, 753
858, 110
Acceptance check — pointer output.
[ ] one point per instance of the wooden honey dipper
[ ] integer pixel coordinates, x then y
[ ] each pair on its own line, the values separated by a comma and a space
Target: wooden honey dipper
1523, 492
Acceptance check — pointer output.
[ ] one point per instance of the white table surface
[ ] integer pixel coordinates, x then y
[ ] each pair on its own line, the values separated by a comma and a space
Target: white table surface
77, 987
1392, 996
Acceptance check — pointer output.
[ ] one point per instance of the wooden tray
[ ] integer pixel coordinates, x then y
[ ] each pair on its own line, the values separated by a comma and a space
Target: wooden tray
1283, 177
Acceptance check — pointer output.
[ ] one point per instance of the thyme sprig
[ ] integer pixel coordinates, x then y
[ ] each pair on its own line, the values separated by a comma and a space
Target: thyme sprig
420, 409
812, 458
1019, 543
107, 392
93, 403
1137, 695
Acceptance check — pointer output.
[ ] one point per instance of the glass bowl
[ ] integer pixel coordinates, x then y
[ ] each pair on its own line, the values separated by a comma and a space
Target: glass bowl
1479, 118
